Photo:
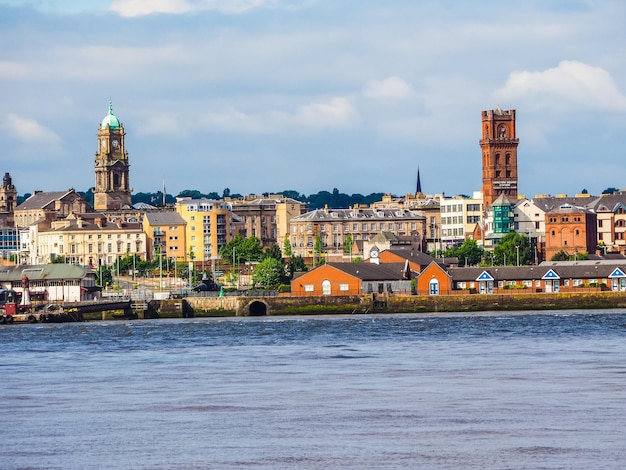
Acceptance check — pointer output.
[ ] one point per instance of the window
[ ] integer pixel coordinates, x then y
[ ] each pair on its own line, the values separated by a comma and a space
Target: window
308, 288
326, 287
343, 287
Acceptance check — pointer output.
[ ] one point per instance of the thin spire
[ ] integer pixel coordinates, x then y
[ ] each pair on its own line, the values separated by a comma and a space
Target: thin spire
110, 107
418, 188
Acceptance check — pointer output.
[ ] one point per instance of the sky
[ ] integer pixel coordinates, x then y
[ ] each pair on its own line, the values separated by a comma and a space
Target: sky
263, 96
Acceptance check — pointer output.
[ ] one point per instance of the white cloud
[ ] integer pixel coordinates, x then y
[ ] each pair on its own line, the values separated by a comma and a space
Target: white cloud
133, 8
570, 84
338, 112
335, 113
29, 130
391, 88
12, 70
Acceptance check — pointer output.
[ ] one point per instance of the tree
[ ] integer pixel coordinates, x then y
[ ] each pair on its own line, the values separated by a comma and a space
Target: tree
104, 276
287, 248
347, 244
244, 249
469, 253
610, 191
290, 193
317, 252
269, 273
273, 252
560, 256
509, 247
296, 264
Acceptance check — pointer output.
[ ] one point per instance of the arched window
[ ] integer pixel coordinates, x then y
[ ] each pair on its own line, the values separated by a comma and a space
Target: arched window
326, 287
433, 287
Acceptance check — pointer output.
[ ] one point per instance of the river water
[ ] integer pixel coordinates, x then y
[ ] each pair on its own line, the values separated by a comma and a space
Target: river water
486, 391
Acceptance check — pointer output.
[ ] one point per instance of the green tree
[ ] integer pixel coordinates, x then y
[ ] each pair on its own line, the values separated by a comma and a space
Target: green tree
347, 244
507, 249
468, 253
287, 248
58, 260
104, 276
269, 273
610, 191
560, 256
317, 252
244, 249
296, 264
273, 251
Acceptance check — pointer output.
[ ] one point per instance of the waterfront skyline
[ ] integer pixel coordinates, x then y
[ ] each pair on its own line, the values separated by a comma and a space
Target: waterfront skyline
264, 96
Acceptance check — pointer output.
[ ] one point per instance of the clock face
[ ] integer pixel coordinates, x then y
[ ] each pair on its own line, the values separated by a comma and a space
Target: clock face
374, 253
115, 143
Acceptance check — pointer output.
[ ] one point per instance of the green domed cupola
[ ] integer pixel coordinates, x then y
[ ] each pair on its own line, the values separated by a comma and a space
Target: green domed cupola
110, 120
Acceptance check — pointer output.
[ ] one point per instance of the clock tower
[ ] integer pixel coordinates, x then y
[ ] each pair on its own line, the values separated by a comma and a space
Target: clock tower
499, 148
112, 191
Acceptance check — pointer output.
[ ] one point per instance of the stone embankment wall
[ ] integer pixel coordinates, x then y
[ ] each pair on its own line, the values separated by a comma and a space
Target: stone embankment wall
244, 306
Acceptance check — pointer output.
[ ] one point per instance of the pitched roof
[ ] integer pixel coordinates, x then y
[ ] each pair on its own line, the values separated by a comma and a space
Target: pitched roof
164, 218
418, 257
512, 273
43, 272
40, 200
358, 214
372, 271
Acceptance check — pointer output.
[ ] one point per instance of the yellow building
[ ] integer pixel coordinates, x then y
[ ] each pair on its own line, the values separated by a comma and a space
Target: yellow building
165, 235
210, 225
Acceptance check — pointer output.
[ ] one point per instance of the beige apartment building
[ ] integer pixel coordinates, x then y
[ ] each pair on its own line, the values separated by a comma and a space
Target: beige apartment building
85, 241
210, 224
334, 225
267, 218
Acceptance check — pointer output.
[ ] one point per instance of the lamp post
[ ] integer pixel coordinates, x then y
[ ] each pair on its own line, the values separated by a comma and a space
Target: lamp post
517, 248
234, 266
160, 270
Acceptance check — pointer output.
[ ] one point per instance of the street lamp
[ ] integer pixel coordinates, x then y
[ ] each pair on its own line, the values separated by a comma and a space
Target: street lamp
517, 248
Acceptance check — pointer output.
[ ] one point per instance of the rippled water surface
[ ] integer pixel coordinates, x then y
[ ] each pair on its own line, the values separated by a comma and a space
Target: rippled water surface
541, 391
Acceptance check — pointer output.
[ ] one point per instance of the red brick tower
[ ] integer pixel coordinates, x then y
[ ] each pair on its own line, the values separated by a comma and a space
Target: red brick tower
499, 149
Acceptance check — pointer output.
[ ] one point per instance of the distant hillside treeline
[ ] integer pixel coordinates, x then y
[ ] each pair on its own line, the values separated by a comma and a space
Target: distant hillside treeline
334, 199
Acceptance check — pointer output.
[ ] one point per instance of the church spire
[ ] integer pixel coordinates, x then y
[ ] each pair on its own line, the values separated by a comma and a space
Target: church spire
418, 188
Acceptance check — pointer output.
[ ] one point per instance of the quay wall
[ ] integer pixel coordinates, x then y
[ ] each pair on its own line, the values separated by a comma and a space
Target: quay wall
246, 306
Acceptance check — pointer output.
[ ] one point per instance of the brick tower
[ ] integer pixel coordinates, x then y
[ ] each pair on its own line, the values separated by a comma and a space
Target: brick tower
499, 149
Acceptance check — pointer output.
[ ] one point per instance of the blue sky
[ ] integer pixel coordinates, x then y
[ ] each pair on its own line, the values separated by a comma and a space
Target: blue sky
310, 95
